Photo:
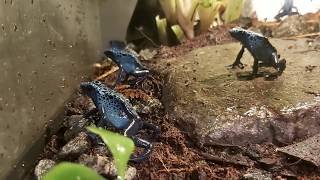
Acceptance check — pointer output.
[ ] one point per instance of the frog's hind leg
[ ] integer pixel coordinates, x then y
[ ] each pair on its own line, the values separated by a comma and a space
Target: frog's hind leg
237, 62
255, 67
143, 144
132, 131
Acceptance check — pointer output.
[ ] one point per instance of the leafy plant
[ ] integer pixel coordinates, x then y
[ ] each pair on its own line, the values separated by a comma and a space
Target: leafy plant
72, 171
120, 146
178, 32
169, 9
182, 14
162, 30
207, 11
233, 10
185, 11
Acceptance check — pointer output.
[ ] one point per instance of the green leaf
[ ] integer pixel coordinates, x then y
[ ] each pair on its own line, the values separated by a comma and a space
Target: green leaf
186, 10
233, 10
72, 171
178, 32
162, 30
206, 3
169, 9
208, 13
120, 146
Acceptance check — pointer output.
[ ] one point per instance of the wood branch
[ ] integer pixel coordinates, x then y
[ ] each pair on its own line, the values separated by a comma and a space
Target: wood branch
106, 74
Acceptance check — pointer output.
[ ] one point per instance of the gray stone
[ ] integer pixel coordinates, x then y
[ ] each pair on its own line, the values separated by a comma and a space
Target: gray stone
43, 167
257, 174
147, 54
105, 166
210, 103
76, 146
101, 150
147, 107
308, 150
296, 25
75, 124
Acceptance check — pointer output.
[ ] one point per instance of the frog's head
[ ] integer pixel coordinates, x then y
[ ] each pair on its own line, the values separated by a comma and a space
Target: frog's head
114, 51
91, 89
111, 53
238, 33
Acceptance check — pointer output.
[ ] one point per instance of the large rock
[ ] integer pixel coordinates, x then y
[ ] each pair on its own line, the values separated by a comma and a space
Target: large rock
209, 102
298, 25
43, 168
105, 166
76, 146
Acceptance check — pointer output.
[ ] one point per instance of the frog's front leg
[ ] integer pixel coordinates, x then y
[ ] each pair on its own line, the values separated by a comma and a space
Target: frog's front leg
141, 74
121, 77
94, 137
294, 7
237, 62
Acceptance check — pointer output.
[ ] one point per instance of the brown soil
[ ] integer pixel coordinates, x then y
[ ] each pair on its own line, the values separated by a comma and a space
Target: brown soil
215, 36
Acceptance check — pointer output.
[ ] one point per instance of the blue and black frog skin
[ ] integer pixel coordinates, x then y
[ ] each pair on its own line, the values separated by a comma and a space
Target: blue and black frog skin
127, 60
116, 110
286, 10
264, 54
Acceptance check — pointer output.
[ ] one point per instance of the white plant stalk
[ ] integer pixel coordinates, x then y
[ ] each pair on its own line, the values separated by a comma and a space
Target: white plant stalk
162, 30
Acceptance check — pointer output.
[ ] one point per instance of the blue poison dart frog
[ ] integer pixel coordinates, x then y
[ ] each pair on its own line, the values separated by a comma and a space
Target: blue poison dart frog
286, 10
127, 60
264, 54
116, 110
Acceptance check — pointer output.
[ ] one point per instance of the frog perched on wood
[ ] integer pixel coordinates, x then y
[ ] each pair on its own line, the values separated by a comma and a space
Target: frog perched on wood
264, 54
127, 61
117, 111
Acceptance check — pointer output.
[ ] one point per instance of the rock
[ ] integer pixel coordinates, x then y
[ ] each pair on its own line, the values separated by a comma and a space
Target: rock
256, 174
296, 25
147, 54
76, 146
102, 150
75, 124
43, 167
308, 150
267, 163
147, 107
105, 166
210, 103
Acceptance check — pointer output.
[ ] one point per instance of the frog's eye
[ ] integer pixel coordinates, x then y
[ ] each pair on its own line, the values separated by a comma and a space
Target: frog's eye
109, 53
86, 86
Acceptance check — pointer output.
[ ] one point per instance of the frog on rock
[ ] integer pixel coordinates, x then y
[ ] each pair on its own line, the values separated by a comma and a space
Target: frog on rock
264, 54
117, 111
127, 60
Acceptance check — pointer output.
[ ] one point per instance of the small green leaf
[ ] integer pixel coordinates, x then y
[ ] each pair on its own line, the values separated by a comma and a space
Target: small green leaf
72, 171
208, 13
120, 146
233, 10
206, 3
178, 32
169, 9
162, 30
